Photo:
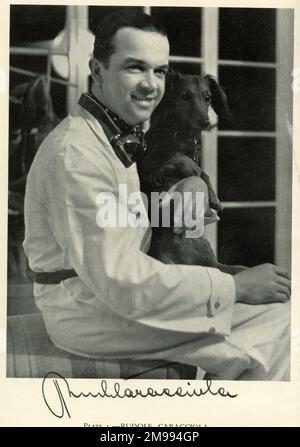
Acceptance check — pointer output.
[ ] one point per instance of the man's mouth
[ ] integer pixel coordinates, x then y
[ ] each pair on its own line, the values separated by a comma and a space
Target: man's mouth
144, 99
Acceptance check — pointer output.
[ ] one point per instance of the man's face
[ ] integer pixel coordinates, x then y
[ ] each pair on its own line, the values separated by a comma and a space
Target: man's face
133, 83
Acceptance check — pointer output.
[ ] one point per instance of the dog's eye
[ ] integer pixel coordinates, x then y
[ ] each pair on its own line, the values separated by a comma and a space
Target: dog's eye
186, 96
207, 98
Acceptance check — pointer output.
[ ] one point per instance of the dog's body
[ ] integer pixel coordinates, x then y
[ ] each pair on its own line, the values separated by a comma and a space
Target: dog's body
174, 154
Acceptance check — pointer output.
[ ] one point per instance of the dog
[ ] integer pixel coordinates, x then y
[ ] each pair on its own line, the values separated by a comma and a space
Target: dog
176, 129
173, 157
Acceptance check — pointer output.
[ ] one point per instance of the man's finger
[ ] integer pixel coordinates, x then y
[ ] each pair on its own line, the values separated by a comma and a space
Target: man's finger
281, 297
283, 291
281, 272
284, 282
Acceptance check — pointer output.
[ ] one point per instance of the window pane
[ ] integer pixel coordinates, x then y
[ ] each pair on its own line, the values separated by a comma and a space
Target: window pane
246, 169
251, 97
183, 67
246, 236
34, 23
247, 34
97, 13
183, 26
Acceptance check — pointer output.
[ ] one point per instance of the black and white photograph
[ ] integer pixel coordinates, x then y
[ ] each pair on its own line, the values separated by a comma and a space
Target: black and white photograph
149, 200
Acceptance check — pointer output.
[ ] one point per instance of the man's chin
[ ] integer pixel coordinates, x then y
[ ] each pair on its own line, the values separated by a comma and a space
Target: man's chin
139, 118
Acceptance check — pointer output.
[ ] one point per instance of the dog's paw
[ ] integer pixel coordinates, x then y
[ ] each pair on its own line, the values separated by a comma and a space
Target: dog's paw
215, 204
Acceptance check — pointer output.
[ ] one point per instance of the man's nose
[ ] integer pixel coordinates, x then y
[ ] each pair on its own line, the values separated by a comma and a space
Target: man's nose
149, 82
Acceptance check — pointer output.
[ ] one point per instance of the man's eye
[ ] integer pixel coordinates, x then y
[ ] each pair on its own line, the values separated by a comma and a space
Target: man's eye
135, 68
161, 73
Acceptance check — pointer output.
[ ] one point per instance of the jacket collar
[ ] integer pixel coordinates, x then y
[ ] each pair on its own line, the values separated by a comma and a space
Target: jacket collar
128, 142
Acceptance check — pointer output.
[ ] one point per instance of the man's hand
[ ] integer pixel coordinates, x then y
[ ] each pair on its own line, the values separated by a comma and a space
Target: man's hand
262, 284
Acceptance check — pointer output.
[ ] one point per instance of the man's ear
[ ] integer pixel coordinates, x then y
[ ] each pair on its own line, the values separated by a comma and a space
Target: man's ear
95, 67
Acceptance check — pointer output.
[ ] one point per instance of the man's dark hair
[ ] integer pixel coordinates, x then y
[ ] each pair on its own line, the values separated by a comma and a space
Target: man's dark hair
104, 48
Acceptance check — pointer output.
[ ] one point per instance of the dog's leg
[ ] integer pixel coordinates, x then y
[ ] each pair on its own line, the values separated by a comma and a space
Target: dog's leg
214, 202
231, 269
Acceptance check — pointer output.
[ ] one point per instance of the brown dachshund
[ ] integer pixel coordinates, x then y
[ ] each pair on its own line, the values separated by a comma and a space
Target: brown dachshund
176, 129
174, 154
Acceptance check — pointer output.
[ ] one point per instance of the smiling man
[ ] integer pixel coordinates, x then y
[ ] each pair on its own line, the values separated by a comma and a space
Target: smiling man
132, 83
100, 294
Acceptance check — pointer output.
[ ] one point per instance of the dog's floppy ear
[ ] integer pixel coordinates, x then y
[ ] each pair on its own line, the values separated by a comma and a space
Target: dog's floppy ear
218, 98
173, 80
164, 110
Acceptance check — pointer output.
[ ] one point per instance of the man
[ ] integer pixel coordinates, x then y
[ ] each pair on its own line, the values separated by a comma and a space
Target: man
99, 292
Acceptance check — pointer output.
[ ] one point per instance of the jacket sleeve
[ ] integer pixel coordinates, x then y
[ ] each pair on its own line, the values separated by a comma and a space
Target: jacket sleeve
110, 263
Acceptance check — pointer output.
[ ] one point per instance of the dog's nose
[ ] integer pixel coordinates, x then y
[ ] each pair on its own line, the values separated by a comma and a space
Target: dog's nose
204, 123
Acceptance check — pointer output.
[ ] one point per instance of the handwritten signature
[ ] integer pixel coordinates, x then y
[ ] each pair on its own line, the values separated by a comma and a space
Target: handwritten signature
56, 392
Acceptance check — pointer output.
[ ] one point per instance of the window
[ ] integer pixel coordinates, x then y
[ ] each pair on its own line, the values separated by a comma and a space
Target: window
253, 153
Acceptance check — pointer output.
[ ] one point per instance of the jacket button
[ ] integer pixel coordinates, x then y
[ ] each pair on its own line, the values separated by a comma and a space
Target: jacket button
217, 305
